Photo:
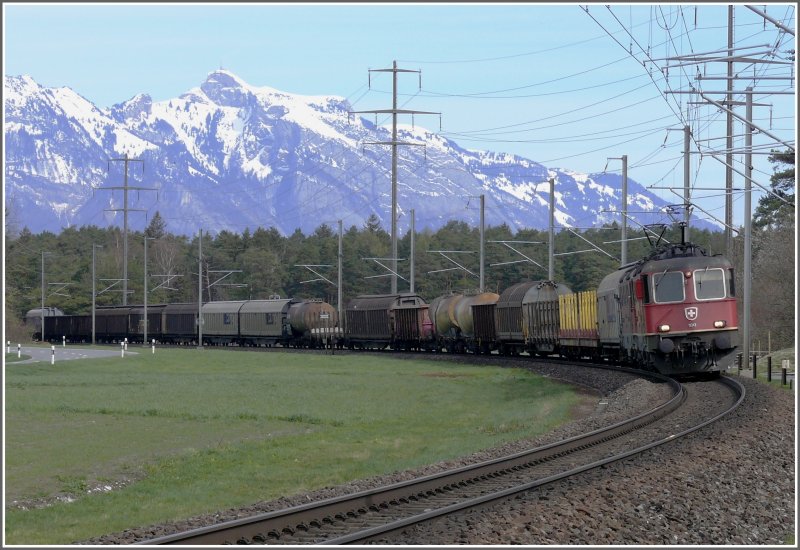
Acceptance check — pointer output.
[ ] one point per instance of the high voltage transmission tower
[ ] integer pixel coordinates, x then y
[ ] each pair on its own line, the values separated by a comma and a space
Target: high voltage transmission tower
394, 111
125, 209
752, 56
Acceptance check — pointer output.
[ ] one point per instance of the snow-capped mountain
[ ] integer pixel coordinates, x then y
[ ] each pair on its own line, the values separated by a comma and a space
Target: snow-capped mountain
228, 155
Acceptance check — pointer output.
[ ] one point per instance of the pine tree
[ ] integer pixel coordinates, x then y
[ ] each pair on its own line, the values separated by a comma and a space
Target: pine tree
773, 211
157, 227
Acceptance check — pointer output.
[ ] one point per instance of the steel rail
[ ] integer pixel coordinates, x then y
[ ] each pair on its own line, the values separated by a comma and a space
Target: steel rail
368, 534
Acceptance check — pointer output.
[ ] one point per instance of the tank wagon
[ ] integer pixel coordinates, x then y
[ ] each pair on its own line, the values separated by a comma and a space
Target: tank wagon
313, 322
400, 321
464, 322
33, 318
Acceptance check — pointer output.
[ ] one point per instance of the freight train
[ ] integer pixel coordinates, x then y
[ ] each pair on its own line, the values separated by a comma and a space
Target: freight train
673, 311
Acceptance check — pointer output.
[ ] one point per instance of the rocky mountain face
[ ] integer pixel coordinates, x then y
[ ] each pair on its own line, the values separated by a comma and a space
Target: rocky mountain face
229, 155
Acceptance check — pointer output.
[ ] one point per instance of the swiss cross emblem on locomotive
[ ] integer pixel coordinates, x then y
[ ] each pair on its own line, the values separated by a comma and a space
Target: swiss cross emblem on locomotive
691, 313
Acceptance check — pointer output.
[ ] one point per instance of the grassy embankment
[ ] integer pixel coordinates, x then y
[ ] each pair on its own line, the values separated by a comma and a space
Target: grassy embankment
185, 432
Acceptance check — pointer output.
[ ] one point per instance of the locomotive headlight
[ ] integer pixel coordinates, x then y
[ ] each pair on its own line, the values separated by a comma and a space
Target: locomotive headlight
663, 328
719, 324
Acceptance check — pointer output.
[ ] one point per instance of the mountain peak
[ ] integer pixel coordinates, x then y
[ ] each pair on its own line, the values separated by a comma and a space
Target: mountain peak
226, 89
22, 86
133, 108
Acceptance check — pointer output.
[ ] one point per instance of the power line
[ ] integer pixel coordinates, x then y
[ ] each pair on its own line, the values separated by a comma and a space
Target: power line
125, 209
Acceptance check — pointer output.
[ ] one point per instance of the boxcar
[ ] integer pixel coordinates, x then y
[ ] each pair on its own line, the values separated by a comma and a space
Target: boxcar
378, 321
264, 322
80, 328
179, 323
56, 327
485, 323
155, 319
221, 322
540, 312
111, 323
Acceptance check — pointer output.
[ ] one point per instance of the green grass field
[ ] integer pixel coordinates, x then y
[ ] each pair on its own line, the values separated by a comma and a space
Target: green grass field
185, 432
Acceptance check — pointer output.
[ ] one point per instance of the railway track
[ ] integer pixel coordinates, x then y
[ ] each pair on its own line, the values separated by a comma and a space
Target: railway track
376, 513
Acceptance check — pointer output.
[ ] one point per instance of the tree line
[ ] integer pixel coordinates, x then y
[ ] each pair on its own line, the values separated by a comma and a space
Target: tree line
264, 263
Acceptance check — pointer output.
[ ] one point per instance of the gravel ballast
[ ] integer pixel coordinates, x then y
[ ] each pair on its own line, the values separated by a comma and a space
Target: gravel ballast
731, 483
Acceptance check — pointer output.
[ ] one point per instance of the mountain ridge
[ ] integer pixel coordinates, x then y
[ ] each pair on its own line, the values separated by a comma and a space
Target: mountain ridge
229, 155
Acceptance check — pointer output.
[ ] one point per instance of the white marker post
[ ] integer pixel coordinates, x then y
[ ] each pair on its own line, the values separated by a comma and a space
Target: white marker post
52, 355
19, 351
154, 346
122, 349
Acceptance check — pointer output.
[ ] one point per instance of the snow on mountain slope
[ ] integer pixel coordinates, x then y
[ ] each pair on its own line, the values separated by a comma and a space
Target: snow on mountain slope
229, 155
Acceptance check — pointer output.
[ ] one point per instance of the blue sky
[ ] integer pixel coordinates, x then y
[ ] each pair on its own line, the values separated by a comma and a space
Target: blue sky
548, 82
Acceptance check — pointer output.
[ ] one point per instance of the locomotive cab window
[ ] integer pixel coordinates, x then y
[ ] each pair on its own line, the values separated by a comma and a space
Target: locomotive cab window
668, 287
731, 286
709, 284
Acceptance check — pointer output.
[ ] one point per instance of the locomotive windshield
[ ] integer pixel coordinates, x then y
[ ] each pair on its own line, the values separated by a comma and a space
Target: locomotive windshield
668, 286
709, 284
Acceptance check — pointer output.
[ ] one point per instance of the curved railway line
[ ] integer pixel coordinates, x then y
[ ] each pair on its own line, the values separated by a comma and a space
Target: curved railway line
375, 514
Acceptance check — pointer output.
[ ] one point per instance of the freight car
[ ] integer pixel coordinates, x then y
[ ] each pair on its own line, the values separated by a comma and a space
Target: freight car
178, 324
136, 328
527, 318
33, 318
399, 321
464, 322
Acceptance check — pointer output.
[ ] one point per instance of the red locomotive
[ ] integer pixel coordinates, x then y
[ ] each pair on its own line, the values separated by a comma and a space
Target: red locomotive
674, 310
